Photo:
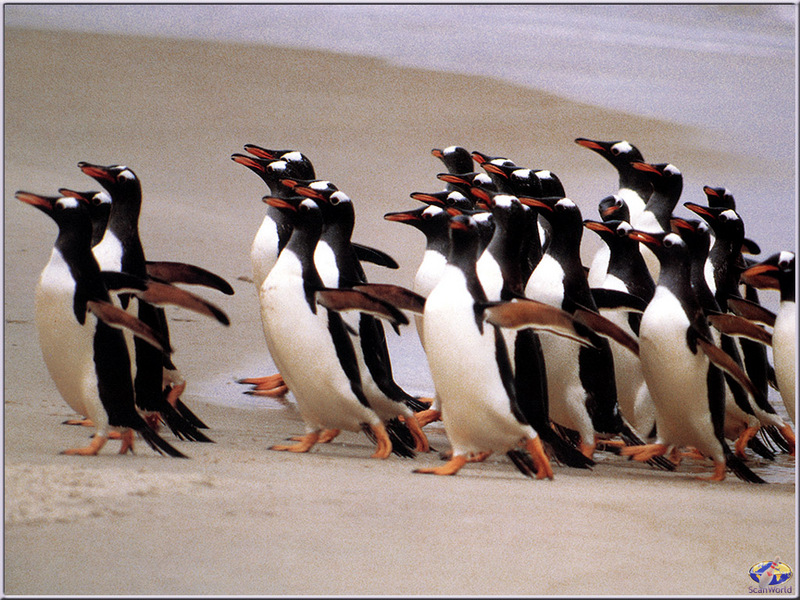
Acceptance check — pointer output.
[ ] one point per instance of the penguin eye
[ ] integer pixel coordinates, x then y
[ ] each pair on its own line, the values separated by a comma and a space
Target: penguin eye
334, 200
614, 150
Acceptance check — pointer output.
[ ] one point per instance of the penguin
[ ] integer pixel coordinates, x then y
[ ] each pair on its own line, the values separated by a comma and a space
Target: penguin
311, 343
501, 274
741, 423
626, 272
580, 379
157, 383
778, 272
342, 269
677, 353
79, 332
728, 263
477, 391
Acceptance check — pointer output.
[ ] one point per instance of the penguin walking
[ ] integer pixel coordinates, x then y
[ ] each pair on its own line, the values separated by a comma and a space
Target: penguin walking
157, 383
778, 272
626, 272
677, 353
79, 332
311, 343
476, 389
580, 379
340, 267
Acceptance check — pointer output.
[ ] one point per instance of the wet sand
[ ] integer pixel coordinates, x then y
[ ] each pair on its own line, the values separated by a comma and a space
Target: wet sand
237, 518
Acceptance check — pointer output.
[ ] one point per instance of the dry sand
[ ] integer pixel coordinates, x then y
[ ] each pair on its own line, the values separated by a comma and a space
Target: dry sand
237, 518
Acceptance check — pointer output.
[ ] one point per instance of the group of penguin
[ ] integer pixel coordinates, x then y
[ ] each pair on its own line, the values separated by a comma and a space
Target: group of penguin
657, 351
100, 317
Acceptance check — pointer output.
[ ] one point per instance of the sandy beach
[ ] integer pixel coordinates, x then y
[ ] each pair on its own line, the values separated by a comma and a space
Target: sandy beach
237, 518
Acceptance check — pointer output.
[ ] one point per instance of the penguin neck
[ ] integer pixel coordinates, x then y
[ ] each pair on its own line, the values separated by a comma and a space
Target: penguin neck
634, 180
464, 256
661, 205
627, 264
505, 248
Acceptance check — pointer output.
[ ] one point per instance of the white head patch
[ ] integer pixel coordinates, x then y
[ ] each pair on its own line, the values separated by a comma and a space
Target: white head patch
320, 185
622, 147
292, 157
278, 165
672, 170
68, 202
504, 200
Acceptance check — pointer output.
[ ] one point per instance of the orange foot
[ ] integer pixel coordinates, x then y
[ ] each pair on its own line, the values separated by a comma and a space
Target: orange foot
420, 439
127, 442
452, 467
540, 459
272, 386
645, 452
788, 434
719, 472
384, 448
305, 443
587, 448
478, 457
429, 415
98, 441
744, 439
325, 436
80, 422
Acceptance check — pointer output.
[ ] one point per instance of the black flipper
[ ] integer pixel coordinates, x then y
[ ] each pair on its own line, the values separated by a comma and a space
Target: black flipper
176, 272
374, 256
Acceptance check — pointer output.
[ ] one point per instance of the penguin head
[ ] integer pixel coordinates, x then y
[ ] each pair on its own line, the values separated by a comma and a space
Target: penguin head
618, 153
695, 233
613, 208
719, 196
456, 158
70, 214
774, 273
118, 180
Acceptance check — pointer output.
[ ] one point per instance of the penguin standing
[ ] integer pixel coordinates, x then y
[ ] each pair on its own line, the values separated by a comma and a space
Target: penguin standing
676, 352
82, 345
157, 383
311, 343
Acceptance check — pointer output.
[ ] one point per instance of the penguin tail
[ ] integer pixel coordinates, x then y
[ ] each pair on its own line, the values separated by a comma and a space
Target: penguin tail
403, 442
185, 412
523, 461
737, 466
564, 452
159, 444
180, 427
772, 434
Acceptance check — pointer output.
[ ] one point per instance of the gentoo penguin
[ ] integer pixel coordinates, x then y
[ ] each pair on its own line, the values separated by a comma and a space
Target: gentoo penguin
728, 263
580, 379
626, 272
312, 344
502, 275
477, 390
741, 423
676, 352
156, 381
79, 332
667, 181
343, 270
778, 272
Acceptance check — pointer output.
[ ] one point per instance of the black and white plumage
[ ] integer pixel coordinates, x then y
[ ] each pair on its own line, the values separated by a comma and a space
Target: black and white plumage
79, 332
679, 361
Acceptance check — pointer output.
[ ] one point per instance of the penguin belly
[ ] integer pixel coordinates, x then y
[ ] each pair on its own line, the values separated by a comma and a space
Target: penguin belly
676, 377
567, 398
476, 411
427, 276
308, 360
784, 340
67, 346
264, 251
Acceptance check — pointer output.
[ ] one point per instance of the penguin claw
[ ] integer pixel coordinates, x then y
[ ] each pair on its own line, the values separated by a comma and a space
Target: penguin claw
79, 422
425, 417
744, 439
